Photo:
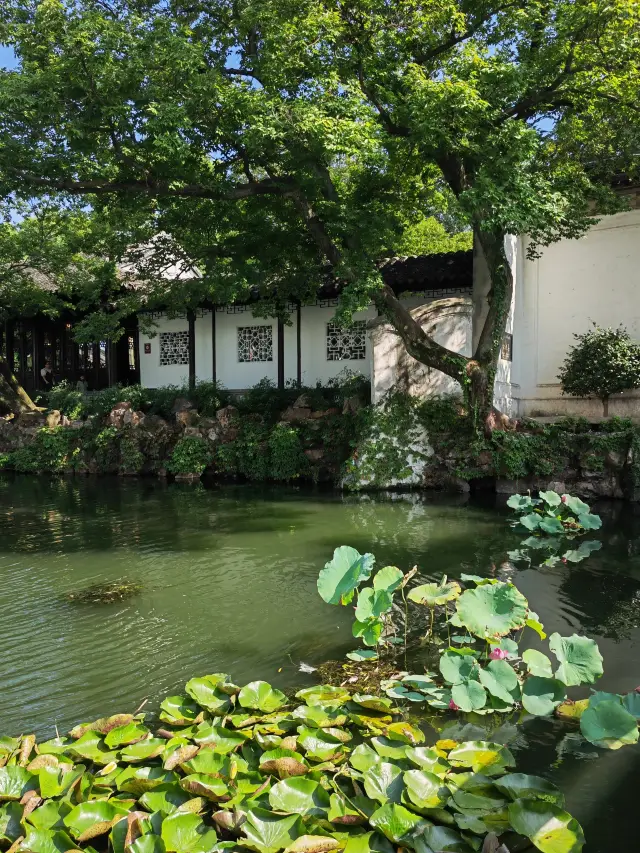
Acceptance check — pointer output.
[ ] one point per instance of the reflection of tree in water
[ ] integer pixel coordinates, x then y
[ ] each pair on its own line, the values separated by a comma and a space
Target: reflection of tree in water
609, 603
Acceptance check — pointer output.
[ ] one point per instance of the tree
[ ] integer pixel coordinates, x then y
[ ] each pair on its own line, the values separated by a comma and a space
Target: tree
280, 140
602, 363
428, 236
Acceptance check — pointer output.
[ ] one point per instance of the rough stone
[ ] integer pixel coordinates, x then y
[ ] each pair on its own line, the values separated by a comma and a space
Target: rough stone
187, 478
181, 404
54, 419
314, 454
192, 432
227, 416
293, 415
616, 459
303, 402
351, 405
116, 415
213, 434
35, 419
186, 417
131, 418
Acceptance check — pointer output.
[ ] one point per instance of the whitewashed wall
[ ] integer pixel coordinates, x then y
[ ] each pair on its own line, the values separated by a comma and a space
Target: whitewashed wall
237, 375
595, 278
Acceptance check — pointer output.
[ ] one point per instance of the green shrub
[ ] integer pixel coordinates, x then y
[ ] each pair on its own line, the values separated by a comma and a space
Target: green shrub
286, 456
66, 400
51, 450
191, 455
603, 362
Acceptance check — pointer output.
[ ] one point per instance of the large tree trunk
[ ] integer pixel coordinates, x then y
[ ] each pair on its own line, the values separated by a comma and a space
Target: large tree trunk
13, 398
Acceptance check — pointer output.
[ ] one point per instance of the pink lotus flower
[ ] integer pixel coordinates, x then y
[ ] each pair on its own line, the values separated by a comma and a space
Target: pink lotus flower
453, 706
498, 654
564, 499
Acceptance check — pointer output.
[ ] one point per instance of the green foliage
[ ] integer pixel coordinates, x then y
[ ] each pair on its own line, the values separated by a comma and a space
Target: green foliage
240, 770
191, 455
51, 450
429, 237
286, 455
601, 363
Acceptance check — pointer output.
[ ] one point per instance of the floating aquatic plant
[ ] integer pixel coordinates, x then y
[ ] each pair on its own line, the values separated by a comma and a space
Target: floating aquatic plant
105, 593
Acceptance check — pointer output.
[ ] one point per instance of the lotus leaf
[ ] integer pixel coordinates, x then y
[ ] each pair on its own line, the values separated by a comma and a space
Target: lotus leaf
320, 744
395, 821
482, 756
87, 820
205, 785
164, 798
124, 735
267, 832
608, 724
261, 696
481, 803
91, 746
54, 782
220, 739
48, 841
368, 631
299, 796
441, 839
537, 663
552, 499
320, 716
342, 813
425, 790
583, 551
180, 711
469, 696
575, 505
147, 844
531, 521
429, 759
360, 655
552, 526
519, 785
15, 782
387, 748
541, 695
435, 594
551, 829
103, 725
570, 710
363, 757
343, 574
313, 844
457, 667
10, 817
492, 610
631, 702
283, 763
522, 502
207, 693
383, 782
580, 659
144, 750
389, 578
372, 603
137, 780
374, 703
186, 833
323, 694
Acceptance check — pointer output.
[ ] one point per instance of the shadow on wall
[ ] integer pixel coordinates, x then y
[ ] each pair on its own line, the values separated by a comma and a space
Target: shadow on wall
448, 321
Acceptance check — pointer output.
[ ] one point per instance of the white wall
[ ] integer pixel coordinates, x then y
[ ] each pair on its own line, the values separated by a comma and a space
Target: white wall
313, 346
236, 374
154, 375
595, 278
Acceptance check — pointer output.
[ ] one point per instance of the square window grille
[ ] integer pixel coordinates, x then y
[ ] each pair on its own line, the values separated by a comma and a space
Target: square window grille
506, 350
348, 344
255, 343
174, 348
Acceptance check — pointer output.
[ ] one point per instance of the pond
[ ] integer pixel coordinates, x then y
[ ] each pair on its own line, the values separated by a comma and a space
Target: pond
228, 583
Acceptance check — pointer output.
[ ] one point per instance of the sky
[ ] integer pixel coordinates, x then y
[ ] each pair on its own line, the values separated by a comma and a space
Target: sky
7, 57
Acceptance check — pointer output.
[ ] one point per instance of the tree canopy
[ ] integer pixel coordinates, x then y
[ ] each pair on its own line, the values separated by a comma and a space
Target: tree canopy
280, 140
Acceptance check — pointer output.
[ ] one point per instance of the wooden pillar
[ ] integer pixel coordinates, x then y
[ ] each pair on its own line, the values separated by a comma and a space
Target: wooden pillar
298, 347
214, 369
191, 319
280, 354
112, 377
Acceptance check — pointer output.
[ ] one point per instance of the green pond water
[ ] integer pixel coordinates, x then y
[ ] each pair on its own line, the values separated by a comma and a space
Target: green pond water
228, 580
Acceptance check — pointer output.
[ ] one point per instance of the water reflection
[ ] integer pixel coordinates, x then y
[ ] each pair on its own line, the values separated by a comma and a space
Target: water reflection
228, 577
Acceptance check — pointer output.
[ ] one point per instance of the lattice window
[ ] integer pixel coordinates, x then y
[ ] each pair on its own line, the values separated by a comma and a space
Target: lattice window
174, 348
347, 344
255, 343
506, 350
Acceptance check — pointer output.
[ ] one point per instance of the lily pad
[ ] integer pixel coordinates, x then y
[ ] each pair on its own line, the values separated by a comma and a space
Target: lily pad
10, 826
551, 829
343, 574
429, 759
261, 696
520, 785
609, 725
267, 832
206, 692
360, 655
299, 796
48, 841
443, 839
180, 711
395, 821
15, 782
93, 818
492, 610
383, 782
186, 833
164, 798
425, 790
580, 659
482, 757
